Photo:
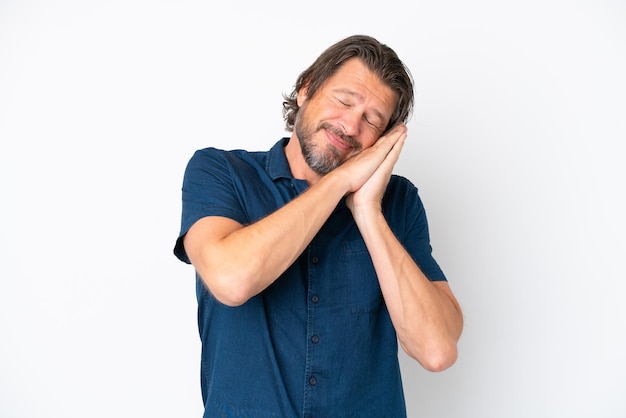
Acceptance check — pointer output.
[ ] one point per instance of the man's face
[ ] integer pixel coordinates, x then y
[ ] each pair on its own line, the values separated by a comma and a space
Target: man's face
347, 114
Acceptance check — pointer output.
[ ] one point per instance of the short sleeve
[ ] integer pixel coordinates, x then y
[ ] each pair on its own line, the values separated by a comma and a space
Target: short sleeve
208, 190
407, 217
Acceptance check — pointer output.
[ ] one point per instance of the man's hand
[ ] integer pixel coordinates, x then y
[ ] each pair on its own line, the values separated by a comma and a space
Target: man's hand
387, 151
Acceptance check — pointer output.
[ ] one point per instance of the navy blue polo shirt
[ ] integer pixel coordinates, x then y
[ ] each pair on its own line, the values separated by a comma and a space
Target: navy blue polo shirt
319, 341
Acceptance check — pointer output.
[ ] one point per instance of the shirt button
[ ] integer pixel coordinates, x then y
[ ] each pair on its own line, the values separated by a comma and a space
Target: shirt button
315, 298
315, 339
313, 381
315, 260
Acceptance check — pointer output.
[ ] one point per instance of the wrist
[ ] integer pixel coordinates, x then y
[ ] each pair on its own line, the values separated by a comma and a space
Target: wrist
366, 212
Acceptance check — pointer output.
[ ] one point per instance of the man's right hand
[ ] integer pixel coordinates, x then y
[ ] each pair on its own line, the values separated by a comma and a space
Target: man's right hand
357, 170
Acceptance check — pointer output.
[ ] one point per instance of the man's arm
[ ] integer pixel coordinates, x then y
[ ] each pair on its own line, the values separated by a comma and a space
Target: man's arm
425, 314
237, 262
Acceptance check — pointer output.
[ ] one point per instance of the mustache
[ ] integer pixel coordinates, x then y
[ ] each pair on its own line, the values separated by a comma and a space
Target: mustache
339, 133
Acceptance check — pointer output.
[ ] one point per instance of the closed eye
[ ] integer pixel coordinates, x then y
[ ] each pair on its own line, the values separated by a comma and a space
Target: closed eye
371, 124
342, 102
347, 103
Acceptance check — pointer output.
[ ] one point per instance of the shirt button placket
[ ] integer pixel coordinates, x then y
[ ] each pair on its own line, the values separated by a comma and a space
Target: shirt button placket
314, 299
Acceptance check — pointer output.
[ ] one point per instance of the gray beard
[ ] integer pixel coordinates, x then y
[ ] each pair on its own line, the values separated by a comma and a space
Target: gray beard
321, 160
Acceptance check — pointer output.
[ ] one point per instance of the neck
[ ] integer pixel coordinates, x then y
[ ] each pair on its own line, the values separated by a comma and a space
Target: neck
299, 167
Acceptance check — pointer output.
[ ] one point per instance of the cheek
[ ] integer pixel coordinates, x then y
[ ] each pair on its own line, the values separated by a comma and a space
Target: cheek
368, 135
369, 139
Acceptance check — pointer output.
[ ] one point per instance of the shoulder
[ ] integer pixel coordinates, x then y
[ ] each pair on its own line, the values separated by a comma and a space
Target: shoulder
217, 160
401, 188
402, 205
217, 154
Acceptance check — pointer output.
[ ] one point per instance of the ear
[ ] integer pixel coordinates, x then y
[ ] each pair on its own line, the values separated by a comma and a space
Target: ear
302, 94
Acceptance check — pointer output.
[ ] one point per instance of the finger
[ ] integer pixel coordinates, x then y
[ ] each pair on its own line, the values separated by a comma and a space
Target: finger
398, 129
391, 137
394, 153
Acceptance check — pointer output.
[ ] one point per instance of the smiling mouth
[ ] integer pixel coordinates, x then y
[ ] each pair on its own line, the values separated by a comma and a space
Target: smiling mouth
339, 143
337, 139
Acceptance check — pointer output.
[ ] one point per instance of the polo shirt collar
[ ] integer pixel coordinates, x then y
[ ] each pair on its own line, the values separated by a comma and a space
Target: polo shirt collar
277, 167
277, 164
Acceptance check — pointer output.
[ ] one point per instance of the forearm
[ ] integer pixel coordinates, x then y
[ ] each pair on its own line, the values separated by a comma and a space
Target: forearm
245, 260
425, 314
238, 262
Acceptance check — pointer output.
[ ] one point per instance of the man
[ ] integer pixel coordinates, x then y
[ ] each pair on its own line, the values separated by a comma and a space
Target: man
312, 259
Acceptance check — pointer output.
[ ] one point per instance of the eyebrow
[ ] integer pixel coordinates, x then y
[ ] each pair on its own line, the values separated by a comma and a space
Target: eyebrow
359, 97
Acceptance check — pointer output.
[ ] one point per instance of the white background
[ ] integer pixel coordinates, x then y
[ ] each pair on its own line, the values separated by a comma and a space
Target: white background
516, 145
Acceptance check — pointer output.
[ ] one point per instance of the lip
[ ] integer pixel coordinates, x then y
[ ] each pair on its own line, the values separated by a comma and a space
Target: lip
337, 142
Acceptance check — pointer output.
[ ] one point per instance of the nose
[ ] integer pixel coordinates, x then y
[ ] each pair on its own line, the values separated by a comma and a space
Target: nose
350, 123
